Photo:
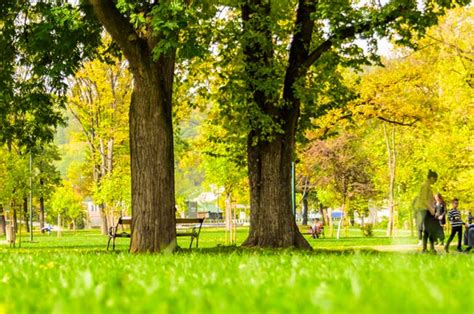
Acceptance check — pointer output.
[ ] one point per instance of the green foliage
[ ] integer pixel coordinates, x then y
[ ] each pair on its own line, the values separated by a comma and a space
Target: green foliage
99, 101
15, 175
14, 170
427, 97
258, 64
115, 191
41, 43
340, 166
65, 202
367, 230
47, 177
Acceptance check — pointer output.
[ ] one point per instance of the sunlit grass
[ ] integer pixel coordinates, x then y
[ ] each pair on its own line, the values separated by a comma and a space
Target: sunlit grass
75, 274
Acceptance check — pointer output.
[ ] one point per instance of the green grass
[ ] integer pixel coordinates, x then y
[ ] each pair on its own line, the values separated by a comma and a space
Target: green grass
74, 274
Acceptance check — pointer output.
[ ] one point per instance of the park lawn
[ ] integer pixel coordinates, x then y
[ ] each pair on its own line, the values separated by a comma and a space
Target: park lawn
74, 274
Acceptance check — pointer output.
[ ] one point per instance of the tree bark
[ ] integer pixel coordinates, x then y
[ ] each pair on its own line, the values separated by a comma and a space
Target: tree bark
15, 218
152, 166
104, 226
272, 223
305, 208
229, 218
3, 222
322, 213
392, 163
59, 225
228, 211
41, 206
25, 214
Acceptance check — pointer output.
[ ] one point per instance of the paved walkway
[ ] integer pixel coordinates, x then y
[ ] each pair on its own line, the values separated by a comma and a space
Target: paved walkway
407, 248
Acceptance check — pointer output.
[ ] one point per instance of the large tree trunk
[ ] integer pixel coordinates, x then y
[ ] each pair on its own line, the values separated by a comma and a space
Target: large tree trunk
152, 166
151, 129
272, 223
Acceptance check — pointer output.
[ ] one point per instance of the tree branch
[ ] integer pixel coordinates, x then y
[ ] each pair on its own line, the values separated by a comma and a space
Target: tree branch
90, 141
350, 32
120, 29
397, 122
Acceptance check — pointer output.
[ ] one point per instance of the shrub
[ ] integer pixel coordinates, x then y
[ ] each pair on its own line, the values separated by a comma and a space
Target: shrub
367, 230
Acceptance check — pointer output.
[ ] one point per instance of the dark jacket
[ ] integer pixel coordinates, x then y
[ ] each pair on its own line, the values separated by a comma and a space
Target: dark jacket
440, 210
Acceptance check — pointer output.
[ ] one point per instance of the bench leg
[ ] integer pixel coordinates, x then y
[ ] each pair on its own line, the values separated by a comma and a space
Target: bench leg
191, 244
113, 244
108, 243
197, 242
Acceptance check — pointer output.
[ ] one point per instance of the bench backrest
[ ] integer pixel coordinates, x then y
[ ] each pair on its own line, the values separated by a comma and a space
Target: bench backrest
189, 220
125, 220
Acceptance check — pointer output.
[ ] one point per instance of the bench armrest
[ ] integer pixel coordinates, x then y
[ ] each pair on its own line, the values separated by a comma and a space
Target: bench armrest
112, 231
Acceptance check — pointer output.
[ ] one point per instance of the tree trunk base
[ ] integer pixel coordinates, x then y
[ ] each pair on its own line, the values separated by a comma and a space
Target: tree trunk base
298, 242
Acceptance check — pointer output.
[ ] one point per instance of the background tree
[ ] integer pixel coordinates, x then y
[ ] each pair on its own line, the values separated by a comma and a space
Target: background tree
341, 165
273, 83
223, 160
47, 177
99, 99
66, 207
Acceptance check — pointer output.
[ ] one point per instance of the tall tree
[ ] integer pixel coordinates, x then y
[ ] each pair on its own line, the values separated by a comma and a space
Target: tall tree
42, 42
99, 99
341, 166
149, 35
47, 177
322, 37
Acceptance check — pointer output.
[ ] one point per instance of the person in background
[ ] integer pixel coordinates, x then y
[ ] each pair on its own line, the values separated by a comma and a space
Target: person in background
440, 213
469, 237
454, 217
425, 205
316, 228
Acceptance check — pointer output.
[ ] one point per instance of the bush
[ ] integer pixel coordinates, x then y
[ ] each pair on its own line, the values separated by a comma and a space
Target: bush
367, 230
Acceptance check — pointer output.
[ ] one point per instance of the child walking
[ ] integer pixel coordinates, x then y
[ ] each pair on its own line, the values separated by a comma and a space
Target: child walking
454, 217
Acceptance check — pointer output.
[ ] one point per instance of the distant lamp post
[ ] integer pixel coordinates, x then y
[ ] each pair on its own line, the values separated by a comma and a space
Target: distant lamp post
31, 197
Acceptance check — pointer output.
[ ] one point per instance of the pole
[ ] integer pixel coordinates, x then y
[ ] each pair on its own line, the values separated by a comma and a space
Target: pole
31, 197
293, 187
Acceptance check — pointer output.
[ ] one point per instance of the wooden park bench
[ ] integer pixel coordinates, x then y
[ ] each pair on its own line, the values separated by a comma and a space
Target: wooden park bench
188, 227
114, 231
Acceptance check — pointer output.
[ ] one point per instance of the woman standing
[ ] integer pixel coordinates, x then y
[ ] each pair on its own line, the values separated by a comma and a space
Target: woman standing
425, 206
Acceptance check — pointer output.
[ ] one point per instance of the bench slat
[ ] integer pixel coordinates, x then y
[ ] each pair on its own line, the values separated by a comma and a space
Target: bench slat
125, 221
189, 220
